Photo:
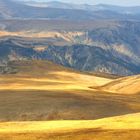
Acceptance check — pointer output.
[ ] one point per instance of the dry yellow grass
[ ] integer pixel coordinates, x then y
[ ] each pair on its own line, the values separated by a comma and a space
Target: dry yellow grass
127, 85
53, 77
42, 90
93, 134
120, 127
131, 121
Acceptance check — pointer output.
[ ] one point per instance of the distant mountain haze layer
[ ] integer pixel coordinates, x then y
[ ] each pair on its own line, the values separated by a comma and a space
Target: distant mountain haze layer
99, 7
56, 10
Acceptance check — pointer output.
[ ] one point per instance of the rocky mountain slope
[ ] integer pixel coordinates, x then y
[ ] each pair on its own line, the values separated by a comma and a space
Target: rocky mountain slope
81, 57
109, 46
101, 46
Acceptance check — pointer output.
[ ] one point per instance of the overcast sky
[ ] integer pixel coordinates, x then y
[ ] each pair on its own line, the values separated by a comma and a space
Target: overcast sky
113, 2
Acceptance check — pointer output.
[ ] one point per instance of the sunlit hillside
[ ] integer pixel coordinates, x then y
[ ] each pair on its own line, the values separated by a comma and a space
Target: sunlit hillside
126, 126
39, 75
42, 90
126, 85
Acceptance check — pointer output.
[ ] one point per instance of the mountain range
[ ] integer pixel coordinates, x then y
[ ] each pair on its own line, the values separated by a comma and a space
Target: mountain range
57, 10
93, 38
87, 7
107, 46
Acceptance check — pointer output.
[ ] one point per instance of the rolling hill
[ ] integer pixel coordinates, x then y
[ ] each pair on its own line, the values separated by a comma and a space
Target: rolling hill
126, 126
41, 90
47, 72
126, 85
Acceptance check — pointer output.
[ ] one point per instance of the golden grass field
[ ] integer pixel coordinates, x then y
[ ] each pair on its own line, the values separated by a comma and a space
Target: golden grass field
121, 127
47, 101
126, 85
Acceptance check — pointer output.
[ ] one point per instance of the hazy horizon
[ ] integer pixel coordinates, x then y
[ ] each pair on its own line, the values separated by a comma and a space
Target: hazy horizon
94, 2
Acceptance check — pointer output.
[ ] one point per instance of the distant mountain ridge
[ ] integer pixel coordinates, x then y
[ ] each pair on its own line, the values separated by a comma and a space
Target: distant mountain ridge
88, 7
87, 40
11, 9
101, 46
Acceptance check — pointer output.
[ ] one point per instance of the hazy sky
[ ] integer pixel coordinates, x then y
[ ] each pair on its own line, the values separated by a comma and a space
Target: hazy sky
113, 2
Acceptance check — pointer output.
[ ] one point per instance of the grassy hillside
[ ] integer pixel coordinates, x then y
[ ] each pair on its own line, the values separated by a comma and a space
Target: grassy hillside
33, 75
116, 128
41, 90
42, 100
126, 85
